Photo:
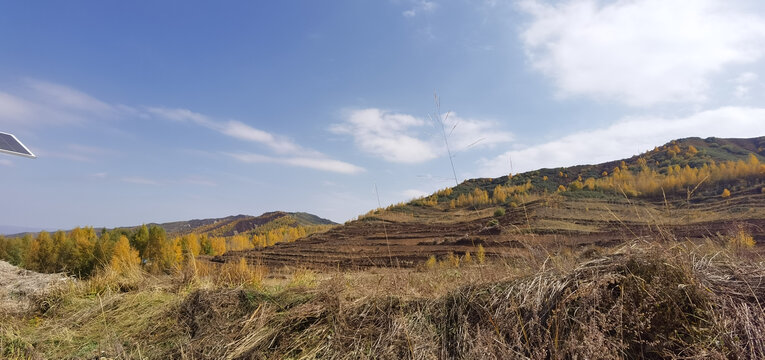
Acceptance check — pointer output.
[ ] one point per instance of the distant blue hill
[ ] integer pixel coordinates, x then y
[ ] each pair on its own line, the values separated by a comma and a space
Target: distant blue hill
13, 229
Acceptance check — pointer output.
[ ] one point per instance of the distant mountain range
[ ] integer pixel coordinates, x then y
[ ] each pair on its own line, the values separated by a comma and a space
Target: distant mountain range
241, 224
225, 226
12, 229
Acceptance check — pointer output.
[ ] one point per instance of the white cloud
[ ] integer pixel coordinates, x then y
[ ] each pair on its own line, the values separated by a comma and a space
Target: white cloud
640, 52
420, 6
6, 162
400, 138
413, 193
317, 163
387, 135
628, 137
468, 133
14, 108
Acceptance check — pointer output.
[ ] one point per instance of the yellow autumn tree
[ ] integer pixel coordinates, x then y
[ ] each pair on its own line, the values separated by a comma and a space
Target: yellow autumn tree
190, 244
499, 195
238, 243
217, 246
41, 255
125, 259
725, 193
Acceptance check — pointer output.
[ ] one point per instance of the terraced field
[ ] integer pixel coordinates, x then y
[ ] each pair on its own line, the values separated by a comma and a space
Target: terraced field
408, 236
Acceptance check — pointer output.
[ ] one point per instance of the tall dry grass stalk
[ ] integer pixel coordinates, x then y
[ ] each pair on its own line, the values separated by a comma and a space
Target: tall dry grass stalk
642, 300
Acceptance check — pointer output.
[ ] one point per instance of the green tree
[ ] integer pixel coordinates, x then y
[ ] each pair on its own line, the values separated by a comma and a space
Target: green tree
102, 253
206, 245
139, 240
160, 254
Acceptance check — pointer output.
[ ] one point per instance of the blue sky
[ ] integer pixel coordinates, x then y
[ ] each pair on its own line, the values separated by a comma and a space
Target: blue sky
161, 111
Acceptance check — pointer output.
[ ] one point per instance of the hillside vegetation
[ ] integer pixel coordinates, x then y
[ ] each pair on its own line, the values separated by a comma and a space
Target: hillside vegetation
677, 170
686, 189
84, 252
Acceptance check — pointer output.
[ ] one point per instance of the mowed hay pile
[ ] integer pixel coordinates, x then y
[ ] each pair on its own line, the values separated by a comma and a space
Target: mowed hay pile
640, 302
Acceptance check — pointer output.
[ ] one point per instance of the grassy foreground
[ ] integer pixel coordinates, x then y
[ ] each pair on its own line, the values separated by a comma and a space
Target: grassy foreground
641, 300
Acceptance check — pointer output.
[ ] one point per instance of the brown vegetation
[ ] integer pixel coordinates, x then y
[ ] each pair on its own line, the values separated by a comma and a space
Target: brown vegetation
644, 299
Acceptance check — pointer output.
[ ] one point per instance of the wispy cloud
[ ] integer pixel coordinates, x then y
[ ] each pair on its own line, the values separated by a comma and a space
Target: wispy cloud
140, 180
232, 128
6, 162
198, 180
66, 97
324, 164
640, 52
403, 138
289, 153
37, 103
628, 137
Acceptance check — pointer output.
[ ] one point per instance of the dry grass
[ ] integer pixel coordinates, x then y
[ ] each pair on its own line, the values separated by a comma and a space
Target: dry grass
642, 300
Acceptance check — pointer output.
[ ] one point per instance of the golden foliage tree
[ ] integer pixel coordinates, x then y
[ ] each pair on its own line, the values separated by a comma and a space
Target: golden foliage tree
217, 246
238, 243
124, 259
190, 245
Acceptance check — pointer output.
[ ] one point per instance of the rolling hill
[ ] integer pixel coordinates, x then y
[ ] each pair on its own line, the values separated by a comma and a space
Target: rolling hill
241, 224
671, 192
226, 226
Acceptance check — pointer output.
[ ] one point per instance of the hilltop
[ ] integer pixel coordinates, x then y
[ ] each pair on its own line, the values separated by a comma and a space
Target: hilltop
688, 152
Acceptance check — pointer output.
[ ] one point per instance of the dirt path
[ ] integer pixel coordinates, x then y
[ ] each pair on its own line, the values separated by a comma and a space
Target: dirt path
17, 284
